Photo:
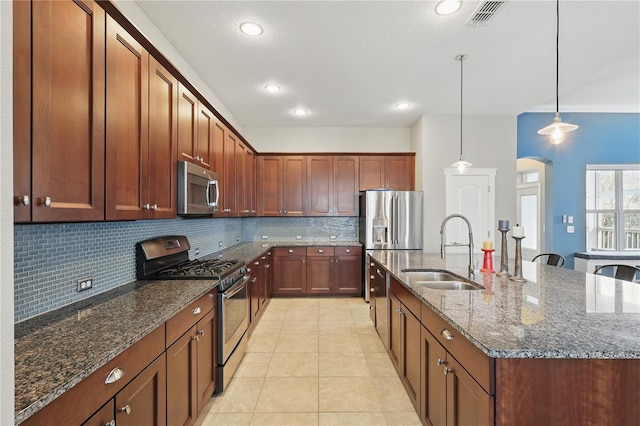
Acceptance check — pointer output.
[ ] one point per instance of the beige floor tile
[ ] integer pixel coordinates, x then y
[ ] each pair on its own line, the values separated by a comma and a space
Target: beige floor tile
348, 394
285, 419
262, 343
297, 343
277, 314
342, 364
379, 364
240, 396
266, 326
348, 419
402, 418
371, 342
335, 313
336, 327
339, 343
288, 395
227, 419
302, 313
392, 394
254, 364
300, 327
293, 364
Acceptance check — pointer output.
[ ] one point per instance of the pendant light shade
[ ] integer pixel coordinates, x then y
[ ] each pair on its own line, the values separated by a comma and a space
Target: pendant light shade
461, 164
557, 128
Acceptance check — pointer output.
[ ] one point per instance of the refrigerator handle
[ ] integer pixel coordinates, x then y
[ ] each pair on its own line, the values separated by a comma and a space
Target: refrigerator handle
395, 222
392, 224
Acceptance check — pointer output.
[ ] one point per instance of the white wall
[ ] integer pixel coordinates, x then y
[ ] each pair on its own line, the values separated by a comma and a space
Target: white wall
131, 10
488, 142
6, 215
328, 139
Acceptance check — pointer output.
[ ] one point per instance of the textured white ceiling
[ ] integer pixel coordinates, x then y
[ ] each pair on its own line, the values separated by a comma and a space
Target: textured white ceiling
350, 63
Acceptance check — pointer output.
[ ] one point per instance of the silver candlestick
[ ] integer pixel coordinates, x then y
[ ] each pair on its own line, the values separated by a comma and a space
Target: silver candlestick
517, 273
504, 265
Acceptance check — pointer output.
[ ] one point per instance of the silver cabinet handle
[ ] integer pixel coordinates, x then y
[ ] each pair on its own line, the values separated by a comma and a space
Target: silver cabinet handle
24, 200
46, 201
320, 251
254, 279
126, 409
347, 251
290, 251
197, 310
114, 375
447, 334
441, 361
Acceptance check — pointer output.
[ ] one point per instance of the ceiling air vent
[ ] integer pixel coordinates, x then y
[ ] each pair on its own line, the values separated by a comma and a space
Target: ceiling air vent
484, 13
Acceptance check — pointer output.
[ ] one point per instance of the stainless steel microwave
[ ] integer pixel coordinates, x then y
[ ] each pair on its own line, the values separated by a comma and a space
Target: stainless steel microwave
198, 191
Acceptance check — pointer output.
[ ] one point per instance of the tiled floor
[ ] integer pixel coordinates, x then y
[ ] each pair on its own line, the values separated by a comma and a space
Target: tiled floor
313, 362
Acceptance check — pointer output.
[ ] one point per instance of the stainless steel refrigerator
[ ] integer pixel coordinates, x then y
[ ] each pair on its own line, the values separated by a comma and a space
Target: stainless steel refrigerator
389, 220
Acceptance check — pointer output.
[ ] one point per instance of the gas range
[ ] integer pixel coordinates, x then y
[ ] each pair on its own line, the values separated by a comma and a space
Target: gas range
167, 258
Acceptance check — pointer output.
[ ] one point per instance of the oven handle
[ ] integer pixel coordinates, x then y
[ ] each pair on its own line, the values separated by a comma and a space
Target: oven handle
235, 289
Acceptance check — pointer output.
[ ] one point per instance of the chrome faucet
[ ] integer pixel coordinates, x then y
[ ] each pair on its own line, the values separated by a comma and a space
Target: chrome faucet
470, 245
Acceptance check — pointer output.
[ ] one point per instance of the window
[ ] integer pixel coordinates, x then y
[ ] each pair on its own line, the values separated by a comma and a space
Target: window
613, 207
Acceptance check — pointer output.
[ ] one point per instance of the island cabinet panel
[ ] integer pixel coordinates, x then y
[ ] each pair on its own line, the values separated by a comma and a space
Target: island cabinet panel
467, 402
127, 125
105, 416
68, 111
433, 386
572, 391
181, 380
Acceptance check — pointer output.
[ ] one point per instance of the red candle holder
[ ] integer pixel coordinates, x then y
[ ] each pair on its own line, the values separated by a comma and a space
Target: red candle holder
487, 265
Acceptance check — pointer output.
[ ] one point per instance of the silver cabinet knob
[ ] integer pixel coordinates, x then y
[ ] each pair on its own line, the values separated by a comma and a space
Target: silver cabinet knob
114, 375
110, 423
24, 200
373, 277
154, 207
441, 361
448, 370
290, 251
145, 207
201, 332
347, 251
320, 251
46, 201
197, 310
126, 409
447, 334
373, 290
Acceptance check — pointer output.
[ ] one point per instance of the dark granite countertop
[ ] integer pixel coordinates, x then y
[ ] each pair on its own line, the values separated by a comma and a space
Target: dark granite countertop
608, 255
56, 350
557, 313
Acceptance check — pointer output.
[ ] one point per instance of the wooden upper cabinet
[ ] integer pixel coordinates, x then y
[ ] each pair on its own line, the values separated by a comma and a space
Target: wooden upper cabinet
346, 174
127, 125
387, 172
229, 187
68, 98
320, 185
269, 185
163, 138
204, 137
250, 182
282, 182
22, 111
294, 191
187, 124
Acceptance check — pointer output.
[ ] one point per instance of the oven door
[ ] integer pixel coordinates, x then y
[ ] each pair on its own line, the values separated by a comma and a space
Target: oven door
234, 317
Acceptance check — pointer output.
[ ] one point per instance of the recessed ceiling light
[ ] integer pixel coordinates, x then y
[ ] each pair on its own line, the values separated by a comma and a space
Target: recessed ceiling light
272, 88
402, 105
300, 112
251, 28
447, 7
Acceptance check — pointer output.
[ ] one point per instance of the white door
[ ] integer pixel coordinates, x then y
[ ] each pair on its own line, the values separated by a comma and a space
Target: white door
529, 214
471, 194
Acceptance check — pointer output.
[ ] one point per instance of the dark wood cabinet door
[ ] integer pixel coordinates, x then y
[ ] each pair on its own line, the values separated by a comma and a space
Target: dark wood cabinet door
294, 184
145, 397
255, 285
348, 271
433, 386
163, 137
204, 137
411, 356
400, 173
206, 371
289, 275
372, 172
319, 274
467, 402
127, 125
22, 111
187, 124
68, 98
240, 178
346, 182
266, 280
395, 332
320, 188
250, 182
228, 194
269, 181
181, 380
104, 416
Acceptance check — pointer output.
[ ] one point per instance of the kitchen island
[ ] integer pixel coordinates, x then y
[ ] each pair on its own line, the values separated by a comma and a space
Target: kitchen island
562, 348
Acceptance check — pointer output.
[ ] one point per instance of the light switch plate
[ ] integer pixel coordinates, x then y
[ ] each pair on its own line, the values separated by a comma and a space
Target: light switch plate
570, 229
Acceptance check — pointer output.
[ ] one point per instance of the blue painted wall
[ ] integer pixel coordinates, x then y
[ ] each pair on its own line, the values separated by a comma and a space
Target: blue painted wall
601, 139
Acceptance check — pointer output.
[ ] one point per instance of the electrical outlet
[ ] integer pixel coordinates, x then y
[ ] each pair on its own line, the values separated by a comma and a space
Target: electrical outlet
264, 237
298, 237
85, 283
219, 243
196, 251
237, 238
332, 237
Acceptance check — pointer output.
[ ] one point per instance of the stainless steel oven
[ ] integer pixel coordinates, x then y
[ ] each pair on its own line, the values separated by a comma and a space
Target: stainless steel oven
233, 321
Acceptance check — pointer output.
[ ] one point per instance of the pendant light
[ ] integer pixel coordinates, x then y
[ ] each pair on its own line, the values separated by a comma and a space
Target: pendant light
461, 164
557, 128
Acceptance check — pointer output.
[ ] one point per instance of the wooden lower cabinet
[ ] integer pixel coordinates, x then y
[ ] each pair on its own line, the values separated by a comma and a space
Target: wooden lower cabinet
143, 401
320, 270
289, 271
106, 416
348, 271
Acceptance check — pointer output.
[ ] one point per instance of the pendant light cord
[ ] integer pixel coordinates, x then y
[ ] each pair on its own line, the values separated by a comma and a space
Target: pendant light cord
462, 57
557, 54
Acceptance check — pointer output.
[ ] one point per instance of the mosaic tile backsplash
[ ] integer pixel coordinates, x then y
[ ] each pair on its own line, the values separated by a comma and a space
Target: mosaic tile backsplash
49, 258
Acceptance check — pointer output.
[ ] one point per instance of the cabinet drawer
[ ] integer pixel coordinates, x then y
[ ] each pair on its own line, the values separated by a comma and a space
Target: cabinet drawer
91, 393
320, 251
187, 317
290, 251
406, 297
476, 362
348, 251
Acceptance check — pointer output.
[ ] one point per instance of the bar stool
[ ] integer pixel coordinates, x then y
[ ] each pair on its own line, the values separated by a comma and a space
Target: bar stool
553, 259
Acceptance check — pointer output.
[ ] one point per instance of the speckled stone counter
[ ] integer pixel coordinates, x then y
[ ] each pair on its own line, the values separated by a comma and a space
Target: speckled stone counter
57, 350
558, 313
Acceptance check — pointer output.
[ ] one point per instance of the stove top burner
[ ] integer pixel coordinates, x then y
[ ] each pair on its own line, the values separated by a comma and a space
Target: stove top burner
202, 268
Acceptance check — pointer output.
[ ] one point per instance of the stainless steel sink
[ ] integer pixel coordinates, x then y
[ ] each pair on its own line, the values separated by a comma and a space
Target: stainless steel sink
440, 280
